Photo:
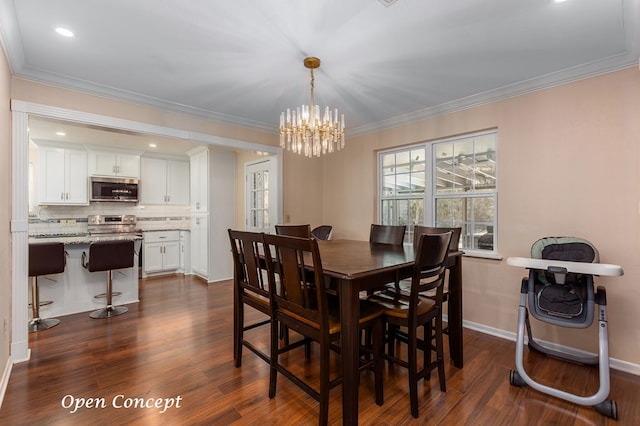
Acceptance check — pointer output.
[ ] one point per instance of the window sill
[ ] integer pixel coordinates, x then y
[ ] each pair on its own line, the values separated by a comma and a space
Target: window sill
482, 255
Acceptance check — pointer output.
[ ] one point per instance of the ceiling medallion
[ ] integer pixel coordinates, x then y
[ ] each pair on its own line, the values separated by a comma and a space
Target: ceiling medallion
302, 131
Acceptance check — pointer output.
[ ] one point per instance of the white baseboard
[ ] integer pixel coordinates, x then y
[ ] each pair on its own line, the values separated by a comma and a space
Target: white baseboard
615, 364
4, 381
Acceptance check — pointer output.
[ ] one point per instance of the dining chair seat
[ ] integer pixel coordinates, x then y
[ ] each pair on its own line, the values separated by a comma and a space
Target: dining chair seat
398, 305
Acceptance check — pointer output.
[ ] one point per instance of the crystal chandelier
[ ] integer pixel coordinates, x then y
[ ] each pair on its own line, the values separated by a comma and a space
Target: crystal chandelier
302, 131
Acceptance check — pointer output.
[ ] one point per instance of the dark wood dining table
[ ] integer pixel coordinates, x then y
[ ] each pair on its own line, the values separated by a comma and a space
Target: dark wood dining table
356, 266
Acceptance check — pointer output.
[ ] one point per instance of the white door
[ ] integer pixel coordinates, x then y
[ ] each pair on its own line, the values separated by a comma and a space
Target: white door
261, 196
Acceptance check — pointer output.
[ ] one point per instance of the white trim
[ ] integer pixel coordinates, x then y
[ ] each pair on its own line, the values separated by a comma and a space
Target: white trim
19, 237
616, 364
4, 380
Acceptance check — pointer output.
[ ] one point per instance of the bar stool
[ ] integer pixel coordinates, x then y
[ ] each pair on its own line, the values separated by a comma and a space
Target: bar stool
109, 256
44, 259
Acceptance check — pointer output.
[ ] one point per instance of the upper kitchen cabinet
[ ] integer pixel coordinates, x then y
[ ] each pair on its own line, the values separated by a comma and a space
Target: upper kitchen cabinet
114, 163
62, 175
164, 181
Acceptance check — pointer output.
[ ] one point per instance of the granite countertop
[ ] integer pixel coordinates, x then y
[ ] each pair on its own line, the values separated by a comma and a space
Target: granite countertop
80, 238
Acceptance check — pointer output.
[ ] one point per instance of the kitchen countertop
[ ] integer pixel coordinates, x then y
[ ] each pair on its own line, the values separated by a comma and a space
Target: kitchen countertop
80, 238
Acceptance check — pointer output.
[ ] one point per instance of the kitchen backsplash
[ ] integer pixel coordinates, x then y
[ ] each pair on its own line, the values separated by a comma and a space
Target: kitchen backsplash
73, 219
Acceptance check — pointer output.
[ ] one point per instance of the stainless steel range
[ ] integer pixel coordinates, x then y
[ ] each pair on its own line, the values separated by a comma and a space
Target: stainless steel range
125, 224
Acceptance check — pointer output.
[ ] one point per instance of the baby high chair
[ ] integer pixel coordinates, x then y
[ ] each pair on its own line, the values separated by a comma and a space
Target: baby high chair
559, 291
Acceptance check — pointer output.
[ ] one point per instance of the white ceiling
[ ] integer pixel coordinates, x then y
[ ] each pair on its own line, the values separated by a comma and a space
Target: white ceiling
240, 61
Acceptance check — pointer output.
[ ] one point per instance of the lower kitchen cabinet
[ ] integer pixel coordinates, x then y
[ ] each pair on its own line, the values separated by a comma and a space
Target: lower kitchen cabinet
161, 252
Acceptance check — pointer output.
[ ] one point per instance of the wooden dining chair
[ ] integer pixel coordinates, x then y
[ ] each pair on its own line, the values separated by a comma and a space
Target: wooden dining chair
412, 312
301, 231
250, 286
322, 232
306, 308
387, 234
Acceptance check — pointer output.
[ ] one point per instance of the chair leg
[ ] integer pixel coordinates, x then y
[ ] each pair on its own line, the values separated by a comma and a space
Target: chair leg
238, 325
391, 342
413, 370
428, 347
440, 353
378, 353
110, 310
37, 323
273, 371
324, 385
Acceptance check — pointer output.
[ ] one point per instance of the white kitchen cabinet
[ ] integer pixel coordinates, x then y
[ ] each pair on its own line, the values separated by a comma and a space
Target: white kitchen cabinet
213, 184
161, 251
199, 169
62, 176
164, 181
114, 163
185, 248
199, 253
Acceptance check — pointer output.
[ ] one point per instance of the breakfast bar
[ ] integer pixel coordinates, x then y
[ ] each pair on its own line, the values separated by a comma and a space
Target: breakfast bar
74, 290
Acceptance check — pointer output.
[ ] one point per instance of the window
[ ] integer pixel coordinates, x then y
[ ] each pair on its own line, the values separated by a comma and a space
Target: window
446, 183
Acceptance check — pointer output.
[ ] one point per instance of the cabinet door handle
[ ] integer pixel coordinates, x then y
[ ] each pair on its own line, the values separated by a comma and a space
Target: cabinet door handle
62, 195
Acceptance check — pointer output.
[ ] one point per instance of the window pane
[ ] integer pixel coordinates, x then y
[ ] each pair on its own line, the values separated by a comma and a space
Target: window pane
450, 210
389, 185
483, 209
444, 167
387, 212
403, 184
485, 163
403, 162
417, 182
388, 160
463, 165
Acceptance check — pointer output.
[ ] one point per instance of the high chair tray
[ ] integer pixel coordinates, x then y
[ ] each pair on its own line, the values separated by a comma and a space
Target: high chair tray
575, 267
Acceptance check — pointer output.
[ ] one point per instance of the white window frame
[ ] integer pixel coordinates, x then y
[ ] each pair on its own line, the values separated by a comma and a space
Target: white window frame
430, 195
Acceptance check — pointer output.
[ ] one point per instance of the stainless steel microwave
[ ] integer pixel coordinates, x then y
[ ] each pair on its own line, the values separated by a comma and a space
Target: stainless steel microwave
114, 189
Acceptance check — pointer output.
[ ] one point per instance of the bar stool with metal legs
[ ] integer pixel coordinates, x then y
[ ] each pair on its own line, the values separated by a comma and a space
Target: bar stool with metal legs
109, 256
44, 259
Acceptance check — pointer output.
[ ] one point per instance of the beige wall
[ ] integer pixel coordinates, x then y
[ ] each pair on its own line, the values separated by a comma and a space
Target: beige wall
302, 189
568, 161
5, 212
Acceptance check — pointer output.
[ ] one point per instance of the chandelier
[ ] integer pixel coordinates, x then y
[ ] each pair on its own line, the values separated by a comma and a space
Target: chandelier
302, 131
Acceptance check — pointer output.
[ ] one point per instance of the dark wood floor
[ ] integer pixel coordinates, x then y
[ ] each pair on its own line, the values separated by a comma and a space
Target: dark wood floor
177, 343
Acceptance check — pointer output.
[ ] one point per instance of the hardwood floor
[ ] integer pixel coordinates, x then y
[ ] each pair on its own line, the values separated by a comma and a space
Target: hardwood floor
175, 347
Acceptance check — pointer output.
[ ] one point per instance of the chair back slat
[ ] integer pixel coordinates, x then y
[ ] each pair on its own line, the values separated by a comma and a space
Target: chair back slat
247, 251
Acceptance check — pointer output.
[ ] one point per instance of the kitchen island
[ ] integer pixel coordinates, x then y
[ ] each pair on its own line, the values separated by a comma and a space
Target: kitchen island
74, 290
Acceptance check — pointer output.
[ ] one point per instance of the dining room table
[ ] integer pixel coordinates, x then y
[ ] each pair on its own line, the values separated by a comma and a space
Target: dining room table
357, 266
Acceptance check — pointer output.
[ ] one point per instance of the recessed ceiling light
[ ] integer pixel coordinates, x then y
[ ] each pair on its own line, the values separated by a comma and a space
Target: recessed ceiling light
61, 133
64, 32
152, 145
559, 1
